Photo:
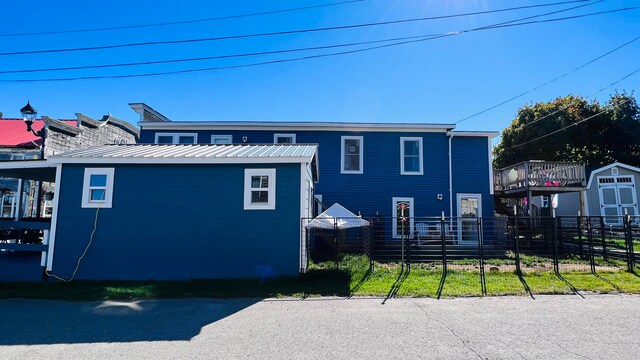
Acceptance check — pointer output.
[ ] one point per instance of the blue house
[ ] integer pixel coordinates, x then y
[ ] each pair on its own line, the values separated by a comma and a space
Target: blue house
171, 212
370, 168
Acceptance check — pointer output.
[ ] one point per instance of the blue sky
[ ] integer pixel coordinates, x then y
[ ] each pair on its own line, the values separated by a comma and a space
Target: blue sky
438, 81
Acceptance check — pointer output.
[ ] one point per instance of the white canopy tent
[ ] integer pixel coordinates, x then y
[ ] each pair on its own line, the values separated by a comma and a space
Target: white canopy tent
338, 216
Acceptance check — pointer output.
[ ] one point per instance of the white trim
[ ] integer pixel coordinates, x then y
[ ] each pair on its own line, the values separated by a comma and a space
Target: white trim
361, 145
54, 217
86, 200
403, 139
461, 219
489, 134
490, 167
271, 189
586, 203
181, 160
394, 215
276, 136
176, 137
615, 164
319, 126
228, 138
26, 164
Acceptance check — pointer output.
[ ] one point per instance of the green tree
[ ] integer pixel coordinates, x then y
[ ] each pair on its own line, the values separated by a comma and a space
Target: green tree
611, 134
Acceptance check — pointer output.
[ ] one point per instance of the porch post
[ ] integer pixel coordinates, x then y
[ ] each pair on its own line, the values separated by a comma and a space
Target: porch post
19, 199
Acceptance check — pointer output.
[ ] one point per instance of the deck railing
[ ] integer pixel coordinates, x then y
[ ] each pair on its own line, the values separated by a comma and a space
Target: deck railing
535, 173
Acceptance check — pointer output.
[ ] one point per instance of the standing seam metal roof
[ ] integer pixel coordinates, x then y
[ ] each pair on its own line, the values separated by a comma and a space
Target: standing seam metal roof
155, 151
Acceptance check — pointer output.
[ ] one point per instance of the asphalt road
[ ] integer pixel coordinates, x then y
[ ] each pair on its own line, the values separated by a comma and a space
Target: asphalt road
549, 327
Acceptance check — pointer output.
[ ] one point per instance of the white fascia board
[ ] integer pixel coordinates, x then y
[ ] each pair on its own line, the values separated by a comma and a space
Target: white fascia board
19, 164
489, 134
607, 167
182, 160
279, 126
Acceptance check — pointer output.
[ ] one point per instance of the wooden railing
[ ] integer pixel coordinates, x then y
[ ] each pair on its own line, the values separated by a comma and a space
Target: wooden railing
536, 173
24, 235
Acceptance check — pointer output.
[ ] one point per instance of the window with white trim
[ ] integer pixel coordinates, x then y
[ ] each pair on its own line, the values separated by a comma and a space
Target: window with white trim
284, 138
221, 139
97, 188
411, 156
351, 158
176, 138
259, 189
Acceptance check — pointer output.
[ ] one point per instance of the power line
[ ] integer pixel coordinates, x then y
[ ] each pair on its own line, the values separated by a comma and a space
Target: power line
549, 82
218, 18
489, 27
325, 47
588, 96
277, 33
568, 126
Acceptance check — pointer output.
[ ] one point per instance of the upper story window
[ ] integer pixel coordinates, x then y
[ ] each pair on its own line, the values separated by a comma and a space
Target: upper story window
97, 188
351, 155
221, 139
411, 156
259, 189
176, 138
284, 138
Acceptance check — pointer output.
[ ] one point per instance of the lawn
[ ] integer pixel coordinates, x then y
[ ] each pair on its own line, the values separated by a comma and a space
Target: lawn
355, 278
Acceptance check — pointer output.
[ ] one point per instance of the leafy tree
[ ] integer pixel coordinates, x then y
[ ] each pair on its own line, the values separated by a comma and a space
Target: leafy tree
611, 134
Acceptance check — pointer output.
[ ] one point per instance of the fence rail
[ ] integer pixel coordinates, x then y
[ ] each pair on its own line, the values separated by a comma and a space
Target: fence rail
514, 243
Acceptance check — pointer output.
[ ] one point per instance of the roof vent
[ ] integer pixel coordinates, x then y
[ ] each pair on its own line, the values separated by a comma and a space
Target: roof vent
614, 171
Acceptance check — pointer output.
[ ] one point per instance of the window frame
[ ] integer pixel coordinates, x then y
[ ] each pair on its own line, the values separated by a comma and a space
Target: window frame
228, 137
271, 189
343, 140
276, 136
108, 188
176, 137
420, 156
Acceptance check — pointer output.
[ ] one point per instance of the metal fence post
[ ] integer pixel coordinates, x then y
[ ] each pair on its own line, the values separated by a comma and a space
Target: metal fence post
336, 242
603, 239
592, 262
483, 283
556, 266
517, 244
444, 245
580, 250
626, 224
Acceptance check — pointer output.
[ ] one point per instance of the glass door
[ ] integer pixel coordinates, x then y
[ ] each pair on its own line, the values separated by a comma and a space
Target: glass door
469, 210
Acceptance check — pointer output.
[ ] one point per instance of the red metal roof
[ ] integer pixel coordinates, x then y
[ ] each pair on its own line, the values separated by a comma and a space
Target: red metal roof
13, 133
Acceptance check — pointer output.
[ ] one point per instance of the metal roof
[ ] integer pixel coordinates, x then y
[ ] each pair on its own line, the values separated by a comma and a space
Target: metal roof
192, 153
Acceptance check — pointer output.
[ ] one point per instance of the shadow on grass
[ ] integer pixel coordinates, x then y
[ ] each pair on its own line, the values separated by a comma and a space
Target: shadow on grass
524, 284
402, 276
618, 289
365, 277
570, 285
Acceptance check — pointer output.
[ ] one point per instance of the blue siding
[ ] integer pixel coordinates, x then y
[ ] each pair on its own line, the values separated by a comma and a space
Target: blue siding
470, 167
179, 222
20, 266
369, 193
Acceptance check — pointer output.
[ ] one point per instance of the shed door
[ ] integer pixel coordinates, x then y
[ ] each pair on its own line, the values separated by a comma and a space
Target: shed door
617, 198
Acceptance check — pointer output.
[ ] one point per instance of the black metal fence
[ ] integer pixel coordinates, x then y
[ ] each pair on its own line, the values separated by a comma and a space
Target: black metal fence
503, 243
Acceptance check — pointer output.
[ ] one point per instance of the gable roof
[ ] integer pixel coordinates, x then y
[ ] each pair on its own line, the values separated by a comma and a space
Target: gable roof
607, 167
13, 133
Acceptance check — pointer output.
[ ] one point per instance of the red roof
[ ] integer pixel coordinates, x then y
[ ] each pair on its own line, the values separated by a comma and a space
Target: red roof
13, 133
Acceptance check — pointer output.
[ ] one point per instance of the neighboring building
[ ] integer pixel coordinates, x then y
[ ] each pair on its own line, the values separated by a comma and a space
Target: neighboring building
62, 135
611, 192
368, 168
173, 212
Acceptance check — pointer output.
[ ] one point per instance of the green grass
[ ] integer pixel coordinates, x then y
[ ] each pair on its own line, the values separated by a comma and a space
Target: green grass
355, 278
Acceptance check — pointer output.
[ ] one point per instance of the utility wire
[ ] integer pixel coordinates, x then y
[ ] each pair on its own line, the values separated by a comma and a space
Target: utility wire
568, 126
550, 81
155, 62
588, 96
277, 33
218, 18
489, 27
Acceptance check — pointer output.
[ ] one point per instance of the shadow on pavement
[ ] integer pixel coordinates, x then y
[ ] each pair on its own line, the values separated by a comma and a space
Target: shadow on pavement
31, 322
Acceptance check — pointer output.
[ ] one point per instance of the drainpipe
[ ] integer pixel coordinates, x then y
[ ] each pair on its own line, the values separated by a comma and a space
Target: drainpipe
450, 134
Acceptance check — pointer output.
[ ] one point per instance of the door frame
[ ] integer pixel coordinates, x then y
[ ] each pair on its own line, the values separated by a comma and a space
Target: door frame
461, 219
394, 214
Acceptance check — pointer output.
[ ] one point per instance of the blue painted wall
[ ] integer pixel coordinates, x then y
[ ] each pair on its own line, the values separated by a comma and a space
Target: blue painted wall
371, 193
179, 222
20, 266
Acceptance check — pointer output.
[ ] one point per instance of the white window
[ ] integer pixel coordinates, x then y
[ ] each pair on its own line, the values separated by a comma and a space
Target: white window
402, 212
259, 189
97, 188
221, 139
176, 138
351, 155
284, 138
411, 156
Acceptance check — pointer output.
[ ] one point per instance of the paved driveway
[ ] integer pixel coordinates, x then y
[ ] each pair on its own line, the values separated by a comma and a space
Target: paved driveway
549, 327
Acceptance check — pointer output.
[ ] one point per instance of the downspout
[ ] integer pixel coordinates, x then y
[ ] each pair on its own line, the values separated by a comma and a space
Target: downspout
450, 134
